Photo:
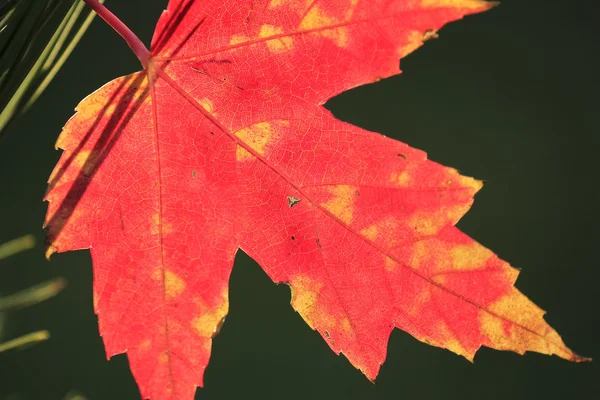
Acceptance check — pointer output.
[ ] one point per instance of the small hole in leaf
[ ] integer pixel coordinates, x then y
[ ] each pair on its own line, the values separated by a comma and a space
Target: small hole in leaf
292, 201
293, 237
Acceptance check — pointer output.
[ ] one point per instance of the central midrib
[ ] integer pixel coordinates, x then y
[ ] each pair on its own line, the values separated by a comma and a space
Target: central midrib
150, 74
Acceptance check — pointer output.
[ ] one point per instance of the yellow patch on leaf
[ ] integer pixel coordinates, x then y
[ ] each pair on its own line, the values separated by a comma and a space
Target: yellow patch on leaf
464, 181
370, 232
470, 256
492, 327
386, 230
350, 11
526, 330
173, 284
207, 104
84, 161
428, 223
346, 326
401, 179
390, 264
431, 256
316, 18
420, 253
101, 104
305, 300
163, 358
341, 204
469, 4
277, 3
95, 296
516, 307
258, 137
207, 323
457, 348
279, 44
237, 39
155, 226
145, 345
448, 340
305, 292
414, 40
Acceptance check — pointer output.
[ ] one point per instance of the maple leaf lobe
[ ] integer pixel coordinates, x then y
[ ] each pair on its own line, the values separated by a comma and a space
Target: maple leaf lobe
222, 144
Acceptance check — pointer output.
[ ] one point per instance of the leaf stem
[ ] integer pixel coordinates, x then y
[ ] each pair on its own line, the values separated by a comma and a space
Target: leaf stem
142, 53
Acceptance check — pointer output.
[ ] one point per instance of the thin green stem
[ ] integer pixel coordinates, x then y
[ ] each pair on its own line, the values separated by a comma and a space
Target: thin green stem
63, 31
28, 339
13, 105
4, 20
16, 246
61, 59
33, 295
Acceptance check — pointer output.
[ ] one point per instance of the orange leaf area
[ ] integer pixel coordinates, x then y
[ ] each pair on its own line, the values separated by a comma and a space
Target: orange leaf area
222, 144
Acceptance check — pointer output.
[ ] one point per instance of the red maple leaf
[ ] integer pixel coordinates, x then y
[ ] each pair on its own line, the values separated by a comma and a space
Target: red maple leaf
221, 143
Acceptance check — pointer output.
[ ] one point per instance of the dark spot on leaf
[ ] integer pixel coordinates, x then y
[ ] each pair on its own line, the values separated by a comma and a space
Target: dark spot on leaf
194, 173
293, 237
401, 155
327, 335
212, 133
200, 70
250, 11
318, 242
198, 66
357, 193
292, 201
215, 61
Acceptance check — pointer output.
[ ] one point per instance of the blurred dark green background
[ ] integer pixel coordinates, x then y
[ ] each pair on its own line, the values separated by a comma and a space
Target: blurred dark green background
509, 96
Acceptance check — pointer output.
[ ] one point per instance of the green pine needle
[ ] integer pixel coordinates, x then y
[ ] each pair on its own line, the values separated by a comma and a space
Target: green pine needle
29, 61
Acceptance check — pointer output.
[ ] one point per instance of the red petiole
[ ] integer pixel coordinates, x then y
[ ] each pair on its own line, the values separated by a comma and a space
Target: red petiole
142, 53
